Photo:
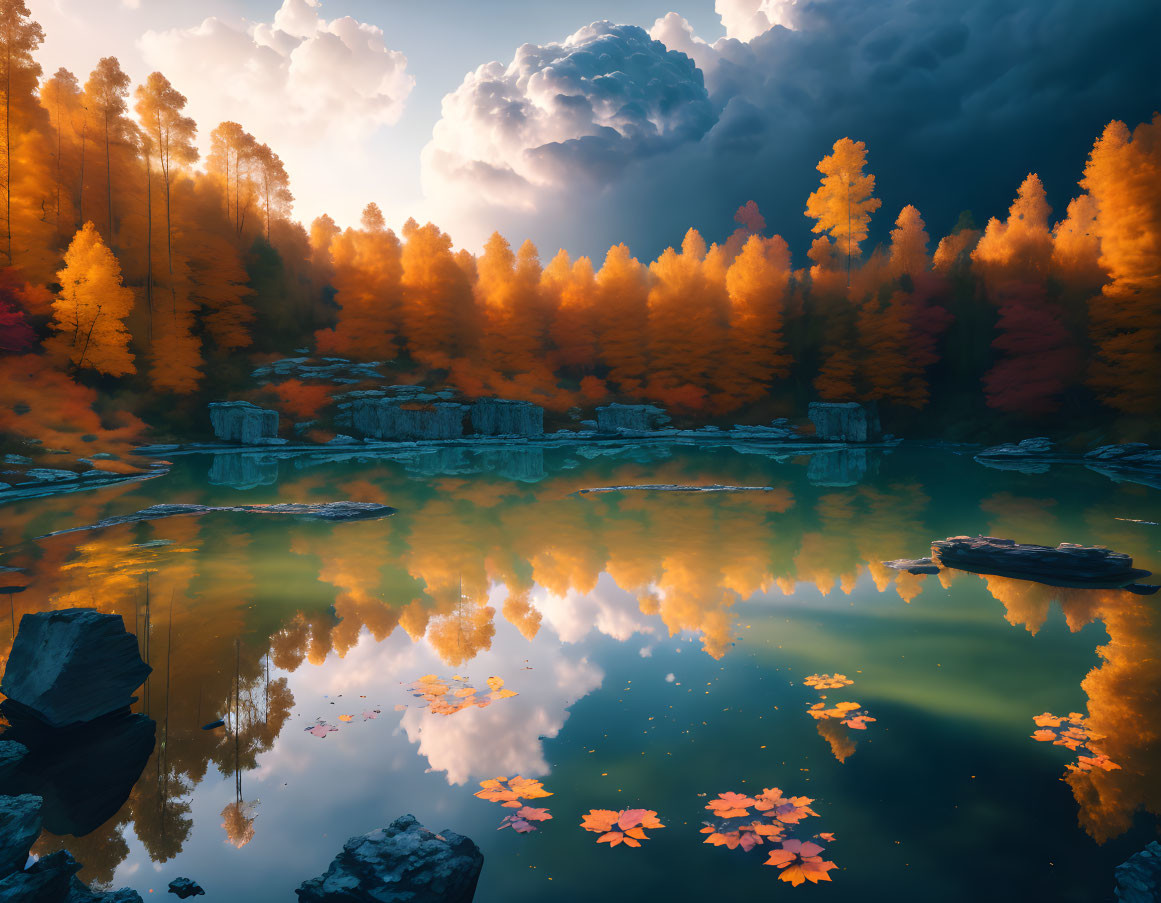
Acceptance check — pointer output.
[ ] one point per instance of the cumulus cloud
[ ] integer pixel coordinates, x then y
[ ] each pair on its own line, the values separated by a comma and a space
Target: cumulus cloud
956, 102
579, 110
312, 88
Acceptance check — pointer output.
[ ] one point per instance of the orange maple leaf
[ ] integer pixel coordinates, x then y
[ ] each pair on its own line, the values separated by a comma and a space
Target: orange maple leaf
600, 820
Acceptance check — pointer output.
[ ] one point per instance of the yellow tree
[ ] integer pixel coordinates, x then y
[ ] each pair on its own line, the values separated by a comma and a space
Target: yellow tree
19, 37
105, 94
61, 97
843, 203
273, 185
622, 317
909, 244
89, 313
231, 156
1124, 177
169, 141
756, 282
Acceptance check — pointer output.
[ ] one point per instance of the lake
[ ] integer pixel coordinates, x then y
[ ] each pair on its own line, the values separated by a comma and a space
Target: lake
659, 646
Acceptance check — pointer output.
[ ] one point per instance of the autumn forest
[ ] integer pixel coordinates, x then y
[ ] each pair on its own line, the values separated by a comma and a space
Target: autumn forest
140, 280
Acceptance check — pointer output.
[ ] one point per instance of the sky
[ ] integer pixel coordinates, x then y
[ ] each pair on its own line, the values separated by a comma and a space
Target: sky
585, 123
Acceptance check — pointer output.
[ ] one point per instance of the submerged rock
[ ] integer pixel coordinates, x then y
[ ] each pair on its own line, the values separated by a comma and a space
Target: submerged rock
845, 421
1139, 876
72, 666
501, 417
20, 825
329, 511
1078, 565
612, 418
185, 887
47, 880
240, 421
402, 863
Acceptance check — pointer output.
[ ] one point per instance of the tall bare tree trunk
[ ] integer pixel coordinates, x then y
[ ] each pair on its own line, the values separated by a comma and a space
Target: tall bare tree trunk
149, 242
108, 180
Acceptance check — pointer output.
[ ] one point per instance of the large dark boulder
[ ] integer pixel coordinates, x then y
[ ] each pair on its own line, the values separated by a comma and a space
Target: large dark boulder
72, 666
845, 421
402, 863
240, 421
20, 825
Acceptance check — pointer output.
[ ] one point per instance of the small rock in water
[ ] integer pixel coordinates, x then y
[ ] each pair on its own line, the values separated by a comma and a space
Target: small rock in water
402, 862
185, 887
1082, 565
214, 725
12, 590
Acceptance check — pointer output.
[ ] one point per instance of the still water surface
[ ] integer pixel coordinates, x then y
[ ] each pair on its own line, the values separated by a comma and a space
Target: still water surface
658, 644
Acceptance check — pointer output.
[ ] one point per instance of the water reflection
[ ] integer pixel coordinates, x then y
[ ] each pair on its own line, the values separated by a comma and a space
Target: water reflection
219, 602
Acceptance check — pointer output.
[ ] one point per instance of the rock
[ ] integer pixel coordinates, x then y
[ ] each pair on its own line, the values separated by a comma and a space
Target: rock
80, 893
303, 425
45, 475
48, 880
83, 774
16, 459
914, 565
105, 456
1028, 448
11, 756
588, 426
185, 887
403, 419
71, 666
1112, 452
614, 417
1139, 876
271, 440
342, 439
1067, 564
20, 825
845, 422
329, 511
402, 863
240, 421
501, 417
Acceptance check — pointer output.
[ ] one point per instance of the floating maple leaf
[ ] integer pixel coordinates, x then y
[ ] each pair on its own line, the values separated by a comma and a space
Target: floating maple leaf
800, 861
441, 698
625, 826
828, 681
508, 792
731, 805
321, 729
346, 718
1072, 732
522, 821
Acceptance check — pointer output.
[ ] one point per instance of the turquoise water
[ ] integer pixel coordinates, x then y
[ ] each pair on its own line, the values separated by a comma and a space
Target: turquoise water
658, 645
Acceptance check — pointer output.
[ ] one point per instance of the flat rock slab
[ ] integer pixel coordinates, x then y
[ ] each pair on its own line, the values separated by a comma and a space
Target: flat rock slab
1076, 565
326, 511
1139, 877
402, 863
72, 666
673, 487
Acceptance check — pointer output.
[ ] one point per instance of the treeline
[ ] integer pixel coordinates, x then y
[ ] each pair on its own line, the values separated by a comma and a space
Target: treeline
129, 269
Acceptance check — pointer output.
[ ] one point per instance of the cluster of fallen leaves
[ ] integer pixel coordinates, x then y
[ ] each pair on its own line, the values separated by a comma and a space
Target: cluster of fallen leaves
625, 826
773, 819
850, 714
510, 793
447, 697
828, 681
321, 727
1072, 732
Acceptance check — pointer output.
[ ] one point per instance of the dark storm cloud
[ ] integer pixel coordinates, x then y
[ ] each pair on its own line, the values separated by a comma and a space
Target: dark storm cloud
956, 102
